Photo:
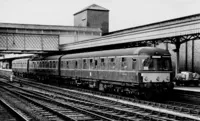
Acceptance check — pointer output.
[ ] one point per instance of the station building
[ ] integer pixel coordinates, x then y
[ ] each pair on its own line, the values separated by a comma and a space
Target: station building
91, 33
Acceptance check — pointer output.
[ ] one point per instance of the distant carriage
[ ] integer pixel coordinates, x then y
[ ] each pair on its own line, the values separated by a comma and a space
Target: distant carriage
20, 67
143, 70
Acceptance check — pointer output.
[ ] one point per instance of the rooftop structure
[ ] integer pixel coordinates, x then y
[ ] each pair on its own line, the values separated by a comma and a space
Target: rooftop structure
93, 16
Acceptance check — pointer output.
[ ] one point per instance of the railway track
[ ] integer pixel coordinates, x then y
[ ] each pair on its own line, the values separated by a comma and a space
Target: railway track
45, 109
144, 110
171, 105
17, 104
106, 110
187, 96
190, 108
7, 113
180, 105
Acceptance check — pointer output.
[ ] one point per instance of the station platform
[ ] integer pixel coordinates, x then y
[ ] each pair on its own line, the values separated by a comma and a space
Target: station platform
189, 88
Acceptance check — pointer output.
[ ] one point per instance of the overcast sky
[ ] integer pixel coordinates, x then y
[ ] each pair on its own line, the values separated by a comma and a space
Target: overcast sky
123, 13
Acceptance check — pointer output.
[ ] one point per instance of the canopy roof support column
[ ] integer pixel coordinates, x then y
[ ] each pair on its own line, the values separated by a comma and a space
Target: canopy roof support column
177, 44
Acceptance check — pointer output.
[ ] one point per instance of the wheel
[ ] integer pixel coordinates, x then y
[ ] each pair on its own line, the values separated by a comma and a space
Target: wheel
186, 84
177, 83
148, 94
196, 84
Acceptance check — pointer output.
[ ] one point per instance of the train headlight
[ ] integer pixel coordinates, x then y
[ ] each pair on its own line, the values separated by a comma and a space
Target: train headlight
167, 78
158, 79
146, 79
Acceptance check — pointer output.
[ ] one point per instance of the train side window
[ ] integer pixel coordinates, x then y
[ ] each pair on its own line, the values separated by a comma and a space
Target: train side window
53, 64
87, 63
84, 64
75, 64
133, 63
67, 64
33, 64
79, 64
61, 64
124, 65
37, 64
96, 64
64, 64
56, 64
47, 64
70, 64
43, 64
91, 64
111, 63
40, 64
103, 64
50, 64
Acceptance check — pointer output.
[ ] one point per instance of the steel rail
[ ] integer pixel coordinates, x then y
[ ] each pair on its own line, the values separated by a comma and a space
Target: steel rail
114, 113
54, 107
180, 115
171, 109
18, 115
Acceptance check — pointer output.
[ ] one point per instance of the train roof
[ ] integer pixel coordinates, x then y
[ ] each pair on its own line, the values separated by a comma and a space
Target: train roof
120, 52
54, 57
20, 60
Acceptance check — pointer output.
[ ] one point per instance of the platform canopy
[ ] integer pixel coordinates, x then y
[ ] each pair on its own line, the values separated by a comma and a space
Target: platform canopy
178, 30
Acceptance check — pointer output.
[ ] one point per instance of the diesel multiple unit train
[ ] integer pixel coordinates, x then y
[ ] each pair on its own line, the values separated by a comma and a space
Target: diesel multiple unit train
142, 71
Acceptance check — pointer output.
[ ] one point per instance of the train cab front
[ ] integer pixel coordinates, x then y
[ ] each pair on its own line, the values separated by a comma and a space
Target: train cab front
155, 75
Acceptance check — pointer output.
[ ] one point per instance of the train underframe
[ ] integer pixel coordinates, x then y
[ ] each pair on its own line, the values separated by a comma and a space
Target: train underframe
139, 90
144, 90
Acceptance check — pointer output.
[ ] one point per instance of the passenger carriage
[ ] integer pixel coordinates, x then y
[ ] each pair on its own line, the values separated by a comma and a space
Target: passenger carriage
135, 70
44, 68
